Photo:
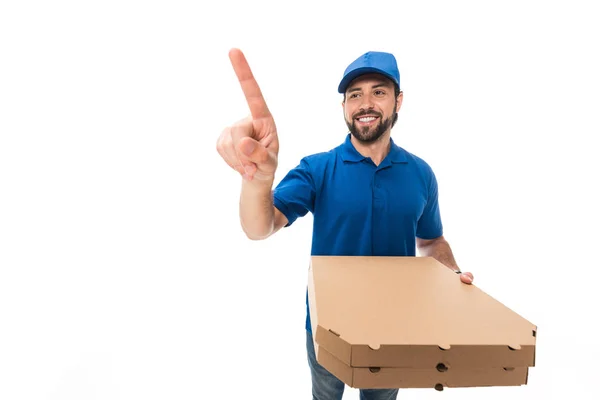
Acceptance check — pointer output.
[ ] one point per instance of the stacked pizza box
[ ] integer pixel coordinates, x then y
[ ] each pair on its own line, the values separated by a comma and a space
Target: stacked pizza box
409, 322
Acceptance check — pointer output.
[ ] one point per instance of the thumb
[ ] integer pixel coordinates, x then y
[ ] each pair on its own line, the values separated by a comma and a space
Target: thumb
247, 147
253, 151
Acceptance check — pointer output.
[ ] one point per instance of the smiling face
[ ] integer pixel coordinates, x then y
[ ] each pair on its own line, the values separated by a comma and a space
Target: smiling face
370, 107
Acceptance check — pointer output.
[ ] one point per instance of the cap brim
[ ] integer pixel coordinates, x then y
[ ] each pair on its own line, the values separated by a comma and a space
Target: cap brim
361, 71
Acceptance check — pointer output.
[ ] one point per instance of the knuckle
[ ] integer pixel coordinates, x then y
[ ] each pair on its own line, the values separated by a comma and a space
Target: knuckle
222, 139
225, 133
263, 157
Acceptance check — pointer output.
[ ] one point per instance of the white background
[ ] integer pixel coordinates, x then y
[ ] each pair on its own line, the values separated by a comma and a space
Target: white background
124, 273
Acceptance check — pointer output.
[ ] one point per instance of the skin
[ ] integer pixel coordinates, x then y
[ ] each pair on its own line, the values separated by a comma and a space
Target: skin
371, 95
251, 147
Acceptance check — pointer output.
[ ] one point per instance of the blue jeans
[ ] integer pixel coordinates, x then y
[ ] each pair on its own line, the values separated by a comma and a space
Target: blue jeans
325, 386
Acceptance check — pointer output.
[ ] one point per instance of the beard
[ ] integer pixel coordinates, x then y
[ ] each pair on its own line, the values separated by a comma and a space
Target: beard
370, 134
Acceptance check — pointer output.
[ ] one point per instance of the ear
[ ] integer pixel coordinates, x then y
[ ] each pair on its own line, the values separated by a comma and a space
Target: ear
399, 100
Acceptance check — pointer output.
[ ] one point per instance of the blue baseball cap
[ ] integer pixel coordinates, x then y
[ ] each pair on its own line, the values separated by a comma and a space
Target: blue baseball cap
371, 62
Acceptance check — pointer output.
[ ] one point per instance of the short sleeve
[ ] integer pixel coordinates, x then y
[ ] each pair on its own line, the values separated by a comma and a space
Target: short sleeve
294, 196
429, 225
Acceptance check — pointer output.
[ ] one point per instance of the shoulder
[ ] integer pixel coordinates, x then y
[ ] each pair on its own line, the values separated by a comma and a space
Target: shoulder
419, 162
320, 160
401, 154
315, 166
419, 166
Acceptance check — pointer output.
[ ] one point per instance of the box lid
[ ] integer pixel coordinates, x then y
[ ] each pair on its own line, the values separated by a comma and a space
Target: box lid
411, 312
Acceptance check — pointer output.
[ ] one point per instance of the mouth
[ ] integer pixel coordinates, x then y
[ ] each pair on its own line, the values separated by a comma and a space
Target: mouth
366, 120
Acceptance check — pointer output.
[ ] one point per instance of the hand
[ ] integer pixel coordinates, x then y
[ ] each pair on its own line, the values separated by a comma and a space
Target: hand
250, 146
466, 277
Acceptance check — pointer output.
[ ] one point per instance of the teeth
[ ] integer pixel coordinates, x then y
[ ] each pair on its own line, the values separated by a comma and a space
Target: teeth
366, 119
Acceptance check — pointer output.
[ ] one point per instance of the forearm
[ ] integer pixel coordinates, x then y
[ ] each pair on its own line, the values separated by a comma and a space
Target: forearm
257, 215
441, 251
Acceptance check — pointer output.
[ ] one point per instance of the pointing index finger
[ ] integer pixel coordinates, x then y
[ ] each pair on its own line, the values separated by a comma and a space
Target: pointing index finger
254, 98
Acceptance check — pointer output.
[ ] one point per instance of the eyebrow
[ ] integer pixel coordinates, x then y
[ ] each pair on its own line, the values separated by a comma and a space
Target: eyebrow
382, 84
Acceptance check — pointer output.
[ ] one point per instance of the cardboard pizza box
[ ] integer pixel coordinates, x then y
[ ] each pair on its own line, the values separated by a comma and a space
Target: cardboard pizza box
412, 312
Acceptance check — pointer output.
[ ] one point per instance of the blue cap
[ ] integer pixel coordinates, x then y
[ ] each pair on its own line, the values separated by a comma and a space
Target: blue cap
371, 62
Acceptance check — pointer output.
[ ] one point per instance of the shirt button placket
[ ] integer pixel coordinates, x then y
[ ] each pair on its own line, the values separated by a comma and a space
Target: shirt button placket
376, 190
376, 212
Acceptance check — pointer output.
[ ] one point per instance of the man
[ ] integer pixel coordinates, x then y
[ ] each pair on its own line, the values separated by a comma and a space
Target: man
368, 196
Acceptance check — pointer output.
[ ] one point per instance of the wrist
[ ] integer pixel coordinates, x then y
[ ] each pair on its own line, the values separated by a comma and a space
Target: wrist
258, 185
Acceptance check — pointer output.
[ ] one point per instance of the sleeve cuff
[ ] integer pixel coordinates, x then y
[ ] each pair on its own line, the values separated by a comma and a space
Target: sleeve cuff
283, 208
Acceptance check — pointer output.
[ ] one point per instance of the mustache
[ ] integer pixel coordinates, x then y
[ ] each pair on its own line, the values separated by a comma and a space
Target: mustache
365, 113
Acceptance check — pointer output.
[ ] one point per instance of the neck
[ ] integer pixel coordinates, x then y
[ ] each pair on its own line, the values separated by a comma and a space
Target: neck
377, 150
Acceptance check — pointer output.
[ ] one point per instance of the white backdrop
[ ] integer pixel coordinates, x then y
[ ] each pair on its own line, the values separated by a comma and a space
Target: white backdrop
123, 270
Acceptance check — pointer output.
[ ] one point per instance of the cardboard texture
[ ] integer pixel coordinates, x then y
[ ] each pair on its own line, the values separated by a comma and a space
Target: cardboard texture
438, 378
415, 323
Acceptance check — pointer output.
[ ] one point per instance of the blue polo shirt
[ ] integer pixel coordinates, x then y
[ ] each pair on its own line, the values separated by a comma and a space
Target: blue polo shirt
359, 208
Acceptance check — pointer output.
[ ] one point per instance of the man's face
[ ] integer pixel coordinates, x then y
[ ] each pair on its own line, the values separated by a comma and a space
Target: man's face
370, 107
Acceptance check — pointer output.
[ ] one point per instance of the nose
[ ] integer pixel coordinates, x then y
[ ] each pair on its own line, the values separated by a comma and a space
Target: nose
366, 103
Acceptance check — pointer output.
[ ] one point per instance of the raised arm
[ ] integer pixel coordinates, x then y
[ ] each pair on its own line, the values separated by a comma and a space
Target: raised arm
251, 147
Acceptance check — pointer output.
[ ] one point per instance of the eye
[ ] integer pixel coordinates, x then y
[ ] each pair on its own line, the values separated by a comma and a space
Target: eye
353, 96
379, 92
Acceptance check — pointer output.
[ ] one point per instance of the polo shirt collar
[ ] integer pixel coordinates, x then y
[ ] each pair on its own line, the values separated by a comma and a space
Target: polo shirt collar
349, 153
